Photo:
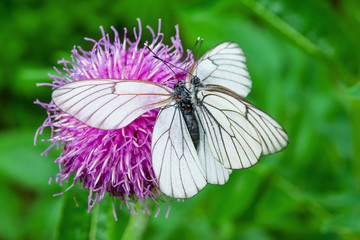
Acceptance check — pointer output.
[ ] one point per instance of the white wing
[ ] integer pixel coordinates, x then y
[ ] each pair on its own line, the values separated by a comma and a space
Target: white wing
223, 65
238, 132
273, 136
174, 158
110, 103
233, 140
214, 171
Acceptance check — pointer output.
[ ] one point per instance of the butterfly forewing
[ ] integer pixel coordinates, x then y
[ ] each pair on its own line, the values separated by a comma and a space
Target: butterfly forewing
175, 161
109, 103
223, 65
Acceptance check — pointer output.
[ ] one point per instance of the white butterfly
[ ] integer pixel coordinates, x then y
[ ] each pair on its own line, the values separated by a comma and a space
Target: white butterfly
204, 128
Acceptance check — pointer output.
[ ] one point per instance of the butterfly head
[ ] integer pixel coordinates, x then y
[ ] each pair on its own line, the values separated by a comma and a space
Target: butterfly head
182, 95
195, 81
179, 87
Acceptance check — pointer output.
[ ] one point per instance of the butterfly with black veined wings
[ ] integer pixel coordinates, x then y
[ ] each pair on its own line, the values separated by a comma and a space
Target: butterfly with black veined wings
204, 129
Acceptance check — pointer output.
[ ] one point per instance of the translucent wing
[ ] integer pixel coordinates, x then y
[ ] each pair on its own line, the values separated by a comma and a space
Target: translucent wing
238, 132
110, 103
224, 65
272, 135
174, 158
214, 171
233, 140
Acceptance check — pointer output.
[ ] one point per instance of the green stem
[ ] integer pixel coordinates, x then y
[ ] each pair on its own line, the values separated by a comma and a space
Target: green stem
94, 222
136, 227
61, 217
355, 115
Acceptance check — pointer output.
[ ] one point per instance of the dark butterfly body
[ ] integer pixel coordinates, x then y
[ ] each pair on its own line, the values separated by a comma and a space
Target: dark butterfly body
183, 96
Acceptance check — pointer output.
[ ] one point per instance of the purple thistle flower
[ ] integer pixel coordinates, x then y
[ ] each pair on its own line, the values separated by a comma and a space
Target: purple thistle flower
113, 161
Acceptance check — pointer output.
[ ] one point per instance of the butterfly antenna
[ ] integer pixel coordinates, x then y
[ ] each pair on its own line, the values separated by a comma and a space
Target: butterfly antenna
198, 56
192, 50
168, 64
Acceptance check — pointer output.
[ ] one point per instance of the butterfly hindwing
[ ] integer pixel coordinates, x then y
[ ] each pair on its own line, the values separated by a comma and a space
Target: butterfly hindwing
238, 132
214, 171
272, 135
233, 141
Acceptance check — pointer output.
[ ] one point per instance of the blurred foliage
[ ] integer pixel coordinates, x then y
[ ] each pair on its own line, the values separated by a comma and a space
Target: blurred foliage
303, 56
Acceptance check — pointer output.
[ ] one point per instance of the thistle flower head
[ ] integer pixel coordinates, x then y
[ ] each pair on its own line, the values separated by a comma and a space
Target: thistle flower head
113, 161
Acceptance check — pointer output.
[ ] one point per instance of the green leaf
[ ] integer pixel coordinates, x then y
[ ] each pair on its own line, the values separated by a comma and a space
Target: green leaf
21, 161
354, 91
42, 217
11, 214
273, 13
346, 223
312, 26
321, 35
25, 84
75, 221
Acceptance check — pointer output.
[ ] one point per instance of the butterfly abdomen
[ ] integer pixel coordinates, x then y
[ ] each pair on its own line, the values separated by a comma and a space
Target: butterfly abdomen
192, 125
183, 98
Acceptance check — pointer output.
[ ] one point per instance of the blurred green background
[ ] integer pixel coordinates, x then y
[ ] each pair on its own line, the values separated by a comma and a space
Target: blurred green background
303, 56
